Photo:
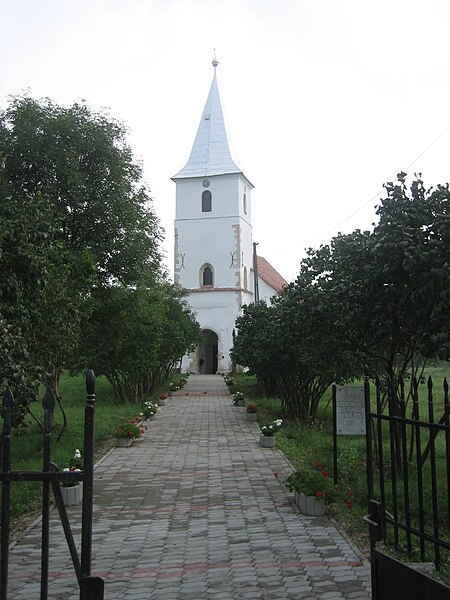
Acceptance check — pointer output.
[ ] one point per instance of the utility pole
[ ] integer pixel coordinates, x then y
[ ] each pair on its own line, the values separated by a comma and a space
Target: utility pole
255, 272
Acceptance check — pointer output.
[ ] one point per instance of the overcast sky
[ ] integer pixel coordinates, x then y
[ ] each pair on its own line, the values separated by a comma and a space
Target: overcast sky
325, 99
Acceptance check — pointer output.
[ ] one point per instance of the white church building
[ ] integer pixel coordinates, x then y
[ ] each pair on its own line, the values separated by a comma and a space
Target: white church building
214, 252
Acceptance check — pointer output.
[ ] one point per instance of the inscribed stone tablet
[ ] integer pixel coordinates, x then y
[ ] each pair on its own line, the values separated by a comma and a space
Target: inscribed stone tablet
350, 411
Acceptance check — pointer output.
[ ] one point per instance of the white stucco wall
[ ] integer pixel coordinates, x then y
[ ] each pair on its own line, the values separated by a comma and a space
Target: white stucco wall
265, 291
221, 238
217, 237
217, 311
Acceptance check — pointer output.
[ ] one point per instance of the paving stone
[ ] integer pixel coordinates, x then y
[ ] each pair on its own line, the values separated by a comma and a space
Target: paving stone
193, 512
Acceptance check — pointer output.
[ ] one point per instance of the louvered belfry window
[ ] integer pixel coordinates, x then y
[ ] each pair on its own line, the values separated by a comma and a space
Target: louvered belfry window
206, 201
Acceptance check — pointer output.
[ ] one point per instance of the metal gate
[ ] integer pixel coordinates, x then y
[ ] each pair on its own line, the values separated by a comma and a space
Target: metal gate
408, 482
91, 588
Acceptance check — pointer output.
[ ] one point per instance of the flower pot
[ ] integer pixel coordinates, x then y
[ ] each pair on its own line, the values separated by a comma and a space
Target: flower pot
124, 442
267, 441
239, 403
252, 417
310, 505
162, 402
72, 495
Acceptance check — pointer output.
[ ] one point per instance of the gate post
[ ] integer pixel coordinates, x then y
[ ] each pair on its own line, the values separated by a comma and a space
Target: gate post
91, 588
8, 403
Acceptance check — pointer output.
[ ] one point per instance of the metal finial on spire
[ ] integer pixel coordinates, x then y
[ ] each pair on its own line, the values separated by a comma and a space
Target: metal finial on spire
215, 62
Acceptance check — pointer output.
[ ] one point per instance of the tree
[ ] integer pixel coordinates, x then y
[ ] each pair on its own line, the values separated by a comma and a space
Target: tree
257, 345
294, 345
379, 297
17, 372
181, 333
393, 282
79, 159
73, 213
314, 350
135, 336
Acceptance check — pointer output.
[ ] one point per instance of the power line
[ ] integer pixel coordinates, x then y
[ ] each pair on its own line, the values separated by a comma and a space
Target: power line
381, 191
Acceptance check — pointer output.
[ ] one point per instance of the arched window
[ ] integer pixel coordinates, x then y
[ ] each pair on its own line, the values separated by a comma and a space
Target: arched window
206, 201
244, 202
207, 275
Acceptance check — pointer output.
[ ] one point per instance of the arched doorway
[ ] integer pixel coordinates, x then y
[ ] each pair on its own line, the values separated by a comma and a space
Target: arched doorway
207, 352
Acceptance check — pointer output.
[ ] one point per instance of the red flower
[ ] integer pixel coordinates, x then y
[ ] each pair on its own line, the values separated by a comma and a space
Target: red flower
350, 493
325, 473
349, 504
320, 494
319, 465
130, 434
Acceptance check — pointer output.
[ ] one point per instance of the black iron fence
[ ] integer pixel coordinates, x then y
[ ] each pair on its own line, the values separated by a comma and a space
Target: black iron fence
408, 469
91, 588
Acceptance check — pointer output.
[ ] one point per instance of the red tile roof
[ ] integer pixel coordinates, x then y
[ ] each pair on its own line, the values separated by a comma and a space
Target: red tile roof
270, 275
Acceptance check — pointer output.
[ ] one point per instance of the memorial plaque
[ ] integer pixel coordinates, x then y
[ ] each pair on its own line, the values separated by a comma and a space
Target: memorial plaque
350, 411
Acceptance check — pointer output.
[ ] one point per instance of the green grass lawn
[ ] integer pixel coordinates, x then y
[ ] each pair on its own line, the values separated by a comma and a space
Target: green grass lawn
306, 445
27, 448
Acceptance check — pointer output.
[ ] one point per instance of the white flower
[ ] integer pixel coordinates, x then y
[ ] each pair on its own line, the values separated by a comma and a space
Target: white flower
77, 454
278, 422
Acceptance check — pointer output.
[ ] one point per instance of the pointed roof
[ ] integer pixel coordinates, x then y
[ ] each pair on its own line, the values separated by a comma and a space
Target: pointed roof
211, 153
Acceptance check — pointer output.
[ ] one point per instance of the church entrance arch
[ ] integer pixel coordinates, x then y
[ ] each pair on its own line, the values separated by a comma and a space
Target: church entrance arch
207, 352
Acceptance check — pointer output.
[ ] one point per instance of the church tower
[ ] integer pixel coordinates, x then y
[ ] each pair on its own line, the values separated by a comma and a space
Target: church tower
213, 237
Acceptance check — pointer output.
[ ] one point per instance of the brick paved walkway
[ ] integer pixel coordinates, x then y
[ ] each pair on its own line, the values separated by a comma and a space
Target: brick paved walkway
195, 511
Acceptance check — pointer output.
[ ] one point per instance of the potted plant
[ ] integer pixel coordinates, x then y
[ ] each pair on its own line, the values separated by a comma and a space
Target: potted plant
162, 399
127, 431
252, 412
312, 485
71, 489
173, 387
228, 380
267, 437
238, 399
149, 411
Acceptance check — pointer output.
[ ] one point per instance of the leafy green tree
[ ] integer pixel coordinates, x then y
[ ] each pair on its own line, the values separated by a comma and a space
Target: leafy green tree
258, 345
80, 160
379, 297
314, 350
73, 213
135, 336
393, 282
181, 332
17, 372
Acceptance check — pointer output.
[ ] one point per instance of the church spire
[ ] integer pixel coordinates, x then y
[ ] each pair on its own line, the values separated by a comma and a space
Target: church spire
215, 62
211, 152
